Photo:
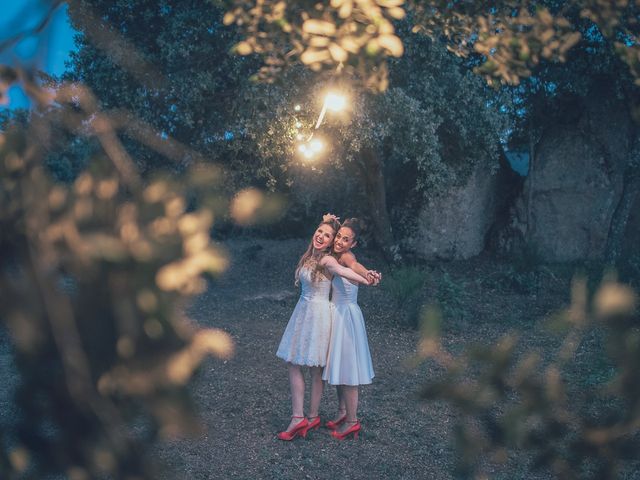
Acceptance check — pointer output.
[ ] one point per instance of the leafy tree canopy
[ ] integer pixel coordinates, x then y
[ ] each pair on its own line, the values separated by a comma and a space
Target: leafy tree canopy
510, 36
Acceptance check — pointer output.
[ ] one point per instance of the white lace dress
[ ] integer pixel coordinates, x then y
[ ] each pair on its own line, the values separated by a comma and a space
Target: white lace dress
306, 339
349, 359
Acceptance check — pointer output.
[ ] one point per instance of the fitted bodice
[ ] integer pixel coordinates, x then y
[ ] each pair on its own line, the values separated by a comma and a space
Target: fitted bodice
343, 291
310, 290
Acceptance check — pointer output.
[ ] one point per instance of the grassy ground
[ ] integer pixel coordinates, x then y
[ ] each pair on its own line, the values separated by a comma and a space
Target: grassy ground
244, 401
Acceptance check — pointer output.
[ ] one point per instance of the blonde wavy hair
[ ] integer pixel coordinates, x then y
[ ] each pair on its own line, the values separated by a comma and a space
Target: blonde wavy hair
311, 259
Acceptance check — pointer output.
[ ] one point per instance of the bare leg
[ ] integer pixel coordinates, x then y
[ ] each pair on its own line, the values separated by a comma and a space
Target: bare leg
350, 394
342, 409
296, 381
316, 391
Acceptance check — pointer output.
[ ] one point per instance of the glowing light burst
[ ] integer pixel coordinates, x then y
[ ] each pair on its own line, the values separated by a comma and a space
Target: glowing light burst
316, 145
311, 148
335, 102
305, 150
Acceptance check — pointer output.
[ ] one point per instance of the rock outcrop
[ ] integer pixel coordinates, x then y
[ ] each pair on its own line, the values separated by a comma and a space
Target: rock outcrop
454, 225
575, 181
570, 197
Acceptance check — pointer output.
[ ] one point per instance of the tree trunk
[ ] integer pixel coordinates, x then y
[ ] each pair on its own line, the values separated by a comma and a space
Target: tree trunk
535, 137
620, 218
372, 173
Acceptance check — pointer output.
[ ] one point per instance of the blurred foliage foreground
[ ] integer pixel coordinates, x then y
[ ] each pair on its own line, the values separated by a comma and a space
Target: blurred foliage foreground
93, 280
575, 413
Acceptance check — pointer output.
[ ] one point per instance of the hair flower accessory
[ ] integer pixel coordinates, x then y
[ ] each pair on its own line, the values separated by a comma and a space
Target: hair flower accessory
330, 216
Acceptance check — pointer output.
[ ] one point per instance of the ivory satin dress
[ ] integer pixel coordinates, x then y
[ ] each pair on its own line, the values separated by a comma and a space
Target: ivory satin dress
306, 338
349, 359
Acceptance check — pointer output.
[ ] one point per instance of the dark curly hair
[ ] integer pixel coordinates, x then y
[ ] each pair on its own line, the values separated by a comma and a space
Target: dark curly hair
356, 225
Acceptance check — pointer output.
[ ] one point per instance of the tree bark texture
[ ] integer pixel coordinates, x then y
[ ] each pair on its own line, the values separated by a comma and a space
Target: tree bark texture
530, 174
373, 176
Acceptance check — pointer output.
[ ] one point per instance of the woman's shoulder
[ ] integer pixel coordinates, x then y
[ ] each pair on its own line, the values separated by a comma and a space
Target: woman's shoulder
347, 259
326, 257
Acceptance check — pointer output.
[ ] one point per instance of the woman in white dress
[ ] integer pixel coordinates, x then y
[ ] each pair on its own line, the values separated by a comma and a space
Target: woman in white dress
349, 361
305, 341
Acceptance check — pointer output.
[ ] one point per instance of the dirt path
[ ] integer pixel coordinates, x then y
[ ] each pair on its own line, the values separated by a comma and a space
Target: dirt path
244, 401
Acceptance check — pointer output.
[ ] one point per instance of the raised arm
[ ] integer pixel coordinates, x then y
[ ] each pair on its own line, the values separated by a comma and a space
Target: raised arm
335, 268
349, 260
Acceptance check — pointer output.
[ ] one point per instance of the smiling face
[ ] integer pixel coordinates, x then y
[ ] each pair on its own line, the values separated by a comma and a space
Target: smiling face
345, 240
323, 237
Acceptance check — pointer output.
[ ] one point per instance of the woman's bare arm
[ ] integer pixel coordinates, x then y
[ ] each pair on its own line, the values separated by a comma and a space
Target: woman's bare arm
349, 260
335, 268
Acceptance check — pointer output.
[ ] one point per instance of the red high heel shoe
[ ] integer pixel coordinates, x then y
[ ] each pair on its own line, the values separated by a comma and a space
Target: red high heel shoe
353, 429
300, 429
331, 425
314, 424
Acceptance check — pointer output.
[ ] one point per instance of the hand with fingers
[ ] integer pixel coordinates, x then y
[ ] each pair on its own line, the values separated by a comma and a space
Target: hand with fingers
373, 277
330, 216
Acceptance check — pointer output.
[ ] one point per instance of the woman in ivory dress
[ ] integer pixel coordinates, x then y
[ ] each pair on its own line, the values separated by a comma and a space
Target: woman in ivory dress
305, 341
349, 361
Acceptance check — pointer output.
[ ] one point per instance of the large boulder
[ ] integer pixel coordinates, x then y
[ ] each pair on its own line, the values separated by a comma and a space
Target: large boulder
454, 225
575, 182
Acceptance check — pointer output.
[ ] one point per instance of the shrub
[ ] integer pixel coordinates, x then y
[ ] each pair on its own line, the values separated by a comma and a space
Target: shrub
405, 284
450, 297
